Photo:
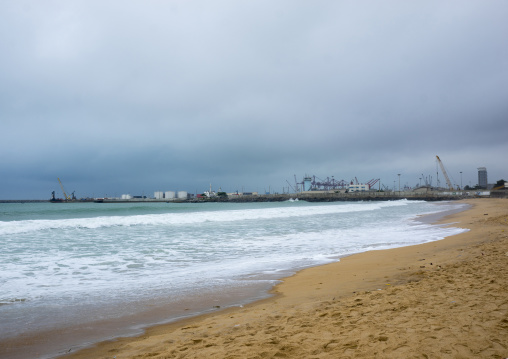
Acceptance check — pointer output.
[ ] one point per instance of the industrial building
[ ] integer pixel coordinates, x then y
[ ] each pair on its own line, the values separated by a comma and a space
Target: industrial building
358, 187
307, 183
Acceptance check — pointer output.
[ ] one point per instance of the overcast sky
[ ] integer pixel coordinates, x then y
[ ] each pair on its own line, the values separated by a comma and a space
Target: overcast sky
118, 97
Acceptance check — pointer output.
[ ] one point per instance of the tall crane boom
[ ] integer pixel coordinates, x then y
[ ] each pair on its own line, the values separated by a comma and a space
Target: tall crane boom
372, 182
450, 186
65, 194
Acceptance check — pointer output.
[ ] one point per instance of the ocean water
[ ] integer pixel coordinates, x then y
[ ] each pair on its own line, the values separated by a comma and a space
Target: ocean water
84, 263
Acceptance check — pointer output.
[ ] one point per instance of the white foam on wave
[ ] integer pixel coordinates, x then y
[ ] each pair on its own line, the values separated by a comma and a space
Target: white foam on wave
232, 215
98, 265
138, 261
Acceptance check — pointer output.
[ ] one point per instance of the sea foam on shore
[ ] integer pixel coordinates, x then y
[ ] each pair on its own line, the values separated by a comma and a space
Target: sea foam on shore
90, 263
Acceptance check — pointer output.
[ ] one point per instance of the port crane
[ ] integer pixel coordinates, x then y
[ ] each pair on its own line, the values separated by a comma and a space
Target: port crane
372, 182
294, 190
328, 184
448, 182
67, 197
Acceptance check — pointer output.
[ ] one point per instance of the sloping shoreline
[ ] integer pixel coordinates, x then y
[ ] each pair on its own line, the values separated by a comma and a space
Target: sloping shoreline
439, 299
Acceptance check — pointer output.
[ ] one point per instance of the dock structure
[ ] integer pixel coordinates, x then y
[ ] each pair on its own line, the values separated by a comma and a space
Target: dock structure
337, 196
309, 196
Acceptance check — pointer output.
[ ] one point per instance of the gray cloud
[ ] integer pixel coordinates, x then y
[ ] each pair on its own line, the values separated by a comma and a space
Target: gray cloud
121, 97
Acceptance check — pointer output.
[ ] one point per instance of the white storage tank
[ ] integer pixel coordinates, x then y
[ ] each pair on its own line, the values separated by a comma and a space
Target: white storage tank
159, 195
182, 194
126, 196
170, 194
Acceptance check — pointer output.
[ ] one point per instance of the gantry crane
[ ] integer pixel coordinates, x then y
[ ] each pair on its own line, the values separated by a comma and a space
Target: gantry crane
450, 186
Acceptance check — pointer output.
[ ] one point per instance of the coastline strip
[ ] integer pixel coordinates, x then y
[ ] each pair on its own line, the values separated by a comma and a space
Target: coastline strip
441, 299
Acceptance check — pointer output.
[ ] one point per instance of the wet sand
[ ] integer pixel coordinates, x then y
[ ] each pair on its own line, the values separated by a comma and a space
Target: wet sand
444, 299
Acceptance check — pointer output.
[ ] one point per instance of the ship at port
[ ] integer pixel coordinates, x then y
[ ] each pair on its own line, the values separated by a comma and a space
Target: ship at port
53, 199
67, 198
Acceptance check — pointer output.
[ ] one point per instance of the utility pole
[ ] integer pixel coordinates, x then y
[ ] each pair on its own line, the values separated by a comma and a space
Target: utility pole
461, 180
399, 182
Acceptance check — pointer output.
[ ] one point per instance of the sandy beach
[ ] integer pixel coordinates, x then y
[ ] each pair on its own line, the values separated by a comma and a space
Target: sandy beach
444, 299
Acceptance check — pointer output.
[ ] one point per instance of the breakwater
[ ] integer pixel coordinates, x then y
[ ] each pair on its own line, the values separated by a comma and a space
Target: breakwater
305, 196
338, 197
